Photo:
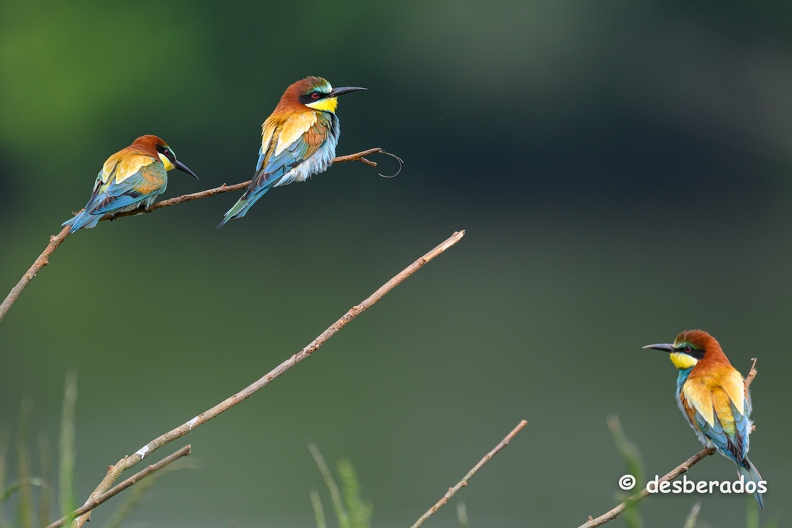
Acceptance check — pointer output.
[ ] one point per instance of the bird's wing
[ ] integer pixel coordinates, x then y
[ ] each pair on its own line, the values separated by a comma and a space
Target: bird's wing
290, 142
104, 175
267, 132
710, 404
132, 180
734, 385
697, 399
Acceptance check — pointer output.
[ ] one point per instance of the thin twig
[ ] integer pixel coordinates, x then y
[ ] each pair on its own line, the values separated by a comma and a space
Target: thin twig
40, 262
641, 495
113, 472
462, 483
58, 239
751, 375
748, 380
134, 479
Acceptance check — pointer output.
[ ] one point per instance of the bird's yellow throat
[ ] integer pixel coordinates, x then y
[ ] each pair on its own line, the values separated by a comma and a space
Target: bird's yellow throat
326, 105
165, 161
683, 361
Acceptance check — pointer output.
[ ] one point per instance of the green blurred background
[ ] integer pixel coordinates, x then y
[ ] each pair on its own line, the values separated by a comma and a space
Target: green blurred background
622, 172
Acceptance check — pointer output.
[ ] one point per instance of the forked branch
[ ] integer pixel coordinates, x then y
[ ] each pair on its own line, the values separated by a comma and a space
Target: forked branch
114, 471
134, 479
58, 239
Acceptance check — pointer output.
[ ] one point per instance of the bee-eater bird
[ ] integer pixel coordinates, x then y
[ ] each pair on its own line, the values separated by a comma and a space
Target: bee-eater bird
131, 178
714, 398
298, 140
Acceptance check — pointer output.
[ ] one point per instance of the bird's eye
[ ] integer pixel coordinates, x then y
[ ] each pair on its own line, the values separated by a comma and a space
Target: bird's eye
688, 349
315, 95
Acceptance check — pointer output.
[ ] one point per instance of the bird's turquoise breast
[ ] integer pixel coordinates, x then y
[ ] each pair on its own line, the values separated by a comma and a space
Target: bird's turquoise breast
681, 379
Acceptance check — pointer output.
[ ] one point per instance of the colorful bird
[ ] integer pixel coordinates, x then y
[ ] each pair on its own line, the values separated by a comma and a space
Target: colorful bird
298, 140
714, 398
131, 178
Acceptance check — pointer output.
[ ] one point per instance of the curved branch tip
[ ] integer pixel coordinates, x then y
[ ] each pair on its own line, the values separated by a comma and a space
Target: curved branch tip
401, 164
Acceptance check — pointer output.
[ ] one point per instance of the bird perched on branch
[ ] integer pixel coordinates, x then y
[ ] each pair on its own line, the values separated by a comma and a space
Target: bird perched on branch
298, 140
714, 398
131, 178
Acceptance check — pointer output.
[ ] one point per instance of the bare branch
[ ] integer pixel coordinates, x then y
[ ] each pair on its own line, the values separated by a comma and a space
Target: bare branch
751, 375
641, 495
40, 262
134, 479
113, 472
462, 483
58, 239
748, 380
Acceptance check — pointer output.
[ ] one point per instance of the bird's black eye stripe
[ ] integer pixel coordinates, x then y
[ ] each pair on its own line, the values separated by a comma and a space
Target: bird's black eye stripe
312, 97
690, 351
167, 152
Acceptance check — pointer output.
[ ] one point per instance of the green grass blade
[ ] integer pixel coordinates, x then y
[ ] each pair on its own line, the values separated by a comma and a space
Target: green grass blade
692, 517
335, 494
462, 515
318, 509
634, 466
25, 511
45, 497
17, 485
9, 491
3, 470
752, 513
66, 477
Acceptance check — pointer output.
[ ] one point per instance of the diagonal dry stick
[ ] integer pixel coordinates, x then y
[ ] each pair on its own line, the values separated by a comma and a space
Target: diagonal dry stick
462, 483
58, 239
113, 472
134, 479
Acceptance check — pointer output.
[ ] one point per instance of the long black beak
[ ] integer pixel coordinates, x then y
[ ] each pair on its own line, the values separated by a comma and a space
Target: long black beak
184, 168
346, 89
664, 348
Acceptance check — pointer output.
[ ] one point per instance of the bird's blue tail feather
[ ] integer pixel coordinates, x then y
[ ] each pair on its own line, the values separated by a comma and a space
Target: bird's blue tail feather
244, 204
84, 220
751, 475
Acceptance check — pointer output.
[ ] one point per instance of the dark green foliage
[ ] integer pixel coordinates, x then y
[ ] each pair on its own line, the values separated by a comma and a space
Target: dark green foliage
633, 466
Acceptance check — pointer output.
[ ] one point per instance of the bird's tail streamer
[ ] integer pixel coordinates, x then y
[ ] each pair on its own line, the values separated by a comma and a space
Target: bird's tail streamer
83, 220
243, 205
751, 475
